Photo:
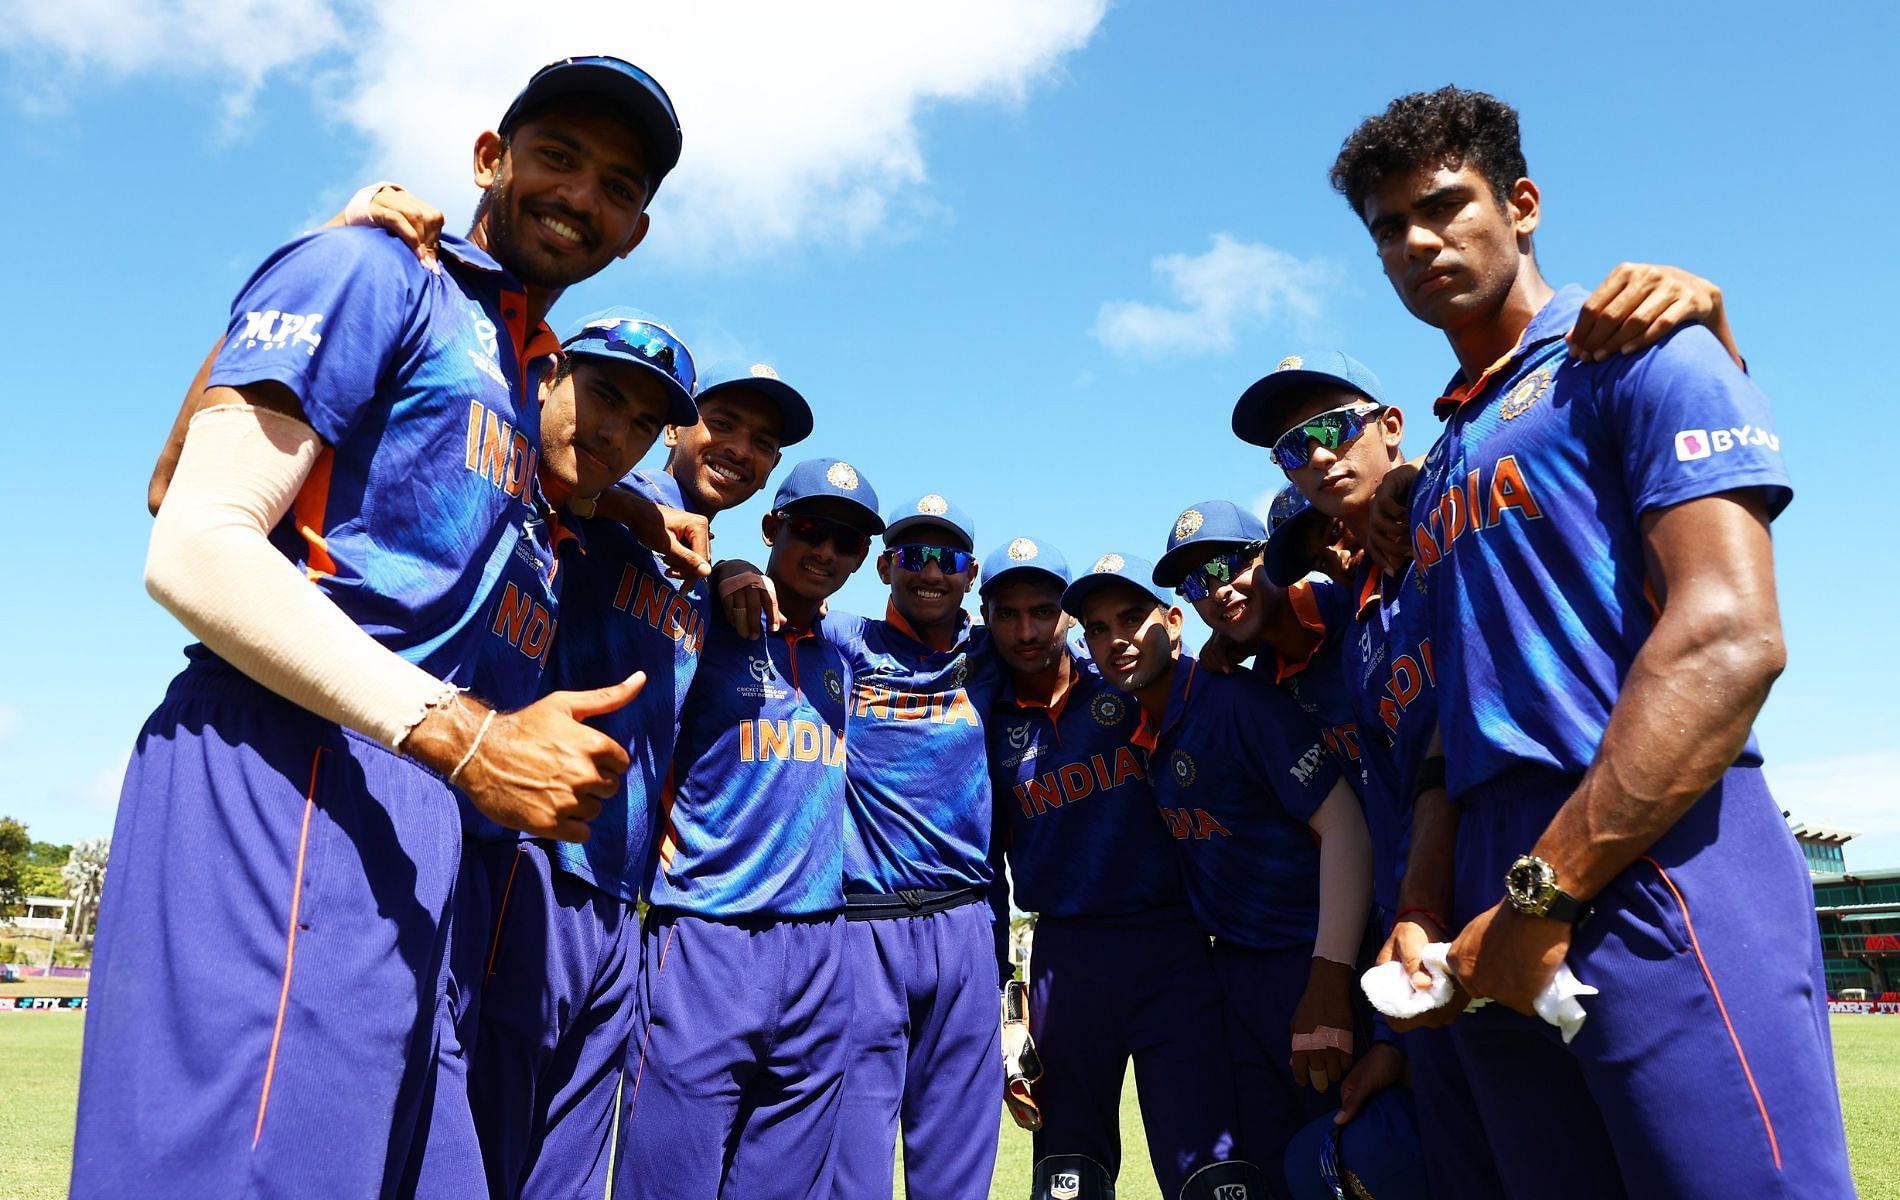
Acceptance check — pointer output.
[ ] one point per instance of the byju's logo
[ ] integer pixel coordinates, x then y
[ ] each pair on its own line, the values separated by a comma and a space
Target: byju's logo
273, 330
1692, 444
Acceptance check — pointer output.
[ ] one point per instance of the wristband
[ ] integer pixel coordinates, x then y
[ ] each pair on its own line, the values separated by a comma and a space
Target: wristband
473, 746
1431, 774
1324, 1038
356, 212
1427, 913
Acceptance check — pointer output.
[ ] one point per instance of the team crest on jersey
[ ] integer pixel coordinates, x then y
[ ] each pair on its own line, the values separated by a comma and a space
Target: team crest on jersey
834, 686
1182, 764
1065, 1185
842, 475
959, 671
1108, 709
933, 505
1529, 390
1291, 362
1107, 564
1022, 550
1188, 524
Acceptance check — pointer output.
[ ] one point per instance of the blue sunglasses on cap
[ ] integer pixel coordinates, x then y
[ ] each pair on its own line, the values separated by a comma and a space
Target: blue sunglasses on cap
650, 343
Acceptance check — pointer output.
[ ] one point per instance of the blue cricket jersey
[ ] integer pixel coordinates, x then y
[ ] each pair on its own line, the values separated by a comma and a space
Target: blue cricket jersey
1082, 832
918, 787
620, 614
1238, 771
422, 387
753, 818
1319, 684
1526, 534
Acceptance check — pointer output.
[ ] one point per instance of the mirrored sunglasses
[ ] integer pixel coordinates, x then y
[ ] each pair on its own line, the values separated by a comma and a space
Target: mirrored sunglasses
647, 342
1217, 572
949, 561
1331, 429
816, 531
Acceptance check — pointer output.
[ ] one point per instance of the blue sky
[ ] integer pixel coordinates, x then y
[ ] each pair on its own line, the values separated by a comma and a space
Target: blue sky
1024, 255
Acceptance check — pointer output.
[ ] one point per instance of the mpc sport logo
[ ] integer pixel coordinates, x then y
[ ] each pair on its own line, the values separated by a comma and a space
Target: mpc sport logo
273, 330
1065, 1185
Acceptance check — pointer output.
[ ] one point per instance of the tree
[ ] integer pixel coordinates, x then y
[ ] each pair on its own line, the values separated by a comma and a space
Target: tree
14, 843
85, 876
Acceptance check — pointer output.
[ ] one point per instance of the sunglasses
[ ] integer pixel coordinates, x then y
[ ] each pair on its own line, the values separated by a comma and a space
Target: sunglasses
647, 342
1202, 580
950, 562
816, 531
1331, 429
1329, 1164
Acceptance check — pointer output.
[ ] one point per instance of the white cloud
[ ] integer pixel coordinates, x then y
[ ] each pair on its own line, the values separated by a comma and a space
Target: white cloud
800, 120
1856, 792
1216, 296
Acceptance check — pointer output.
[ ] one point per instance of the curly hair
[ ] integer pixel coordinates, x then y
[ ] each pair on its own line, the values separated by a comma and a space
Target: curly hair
1450, 127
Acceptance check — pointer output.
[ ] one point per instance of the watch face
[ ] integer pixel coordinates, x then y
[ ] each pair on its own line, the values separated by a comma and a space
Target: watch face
1530, 883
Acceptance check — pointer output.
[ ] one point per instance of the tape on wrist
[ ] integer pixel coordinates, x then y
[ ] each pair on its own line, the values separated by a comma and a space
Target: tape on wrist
1326, 1037
356, 212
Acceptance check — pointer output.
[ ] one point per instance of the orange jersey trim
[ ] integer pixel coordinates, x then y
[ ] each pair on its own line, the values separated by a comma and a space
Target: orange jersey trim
501, 915
307, 512
290, 943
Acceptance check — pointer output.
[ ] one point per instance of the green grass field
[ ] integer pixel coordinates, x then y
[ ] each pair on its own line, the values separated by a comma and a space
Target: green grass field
41, 1087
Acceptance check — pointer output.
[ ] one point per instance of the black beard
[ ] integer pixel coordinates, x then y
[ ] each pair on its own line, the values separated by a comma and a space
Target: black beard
506, 244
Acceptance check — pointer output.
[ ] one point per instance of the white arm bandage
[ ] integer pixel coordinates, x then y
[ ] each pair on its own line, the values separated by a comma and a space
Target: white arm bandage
1345, 875
211, 563
356, 212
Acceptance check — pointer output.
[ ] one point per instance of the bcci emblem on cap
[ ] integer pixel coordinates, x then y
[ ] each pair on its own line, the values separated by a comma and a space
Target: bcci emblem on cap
1188, 524
1108, 563
933, 505
1022, 550
842, 475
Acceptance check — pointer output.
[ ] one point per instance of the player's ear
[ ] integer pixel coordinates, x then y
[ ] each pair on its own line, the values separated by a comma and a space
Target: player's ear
769, 525
884, 566
639, 234
1526, 207
1392, 425
488, 153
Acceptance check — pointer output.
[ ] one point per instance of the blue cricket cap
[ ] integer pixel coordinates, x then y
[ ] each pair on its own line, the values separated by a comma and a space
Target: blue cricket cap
645, 103
1208, 528
628, 335
794, 414
1112, 569
1287, 518
1377, 1153
1260, 415
928, 509
1021, 556
834, 477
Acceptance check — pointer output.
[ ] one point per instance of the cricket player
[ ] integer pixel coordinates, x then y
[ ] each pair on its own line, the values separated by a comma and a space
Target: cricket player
1592, 543
739, 1069
1120, 970
562, 952
1273, 847
339, 517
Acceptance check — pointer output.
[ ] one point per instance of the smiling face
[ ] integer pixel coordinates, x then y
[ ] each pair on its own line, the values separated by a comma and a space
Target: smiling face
1133, 640
1342, 482
1238, 608
563, 196
724, 460
1027, 624
1451, 248
810, 571
598, 418
930, 598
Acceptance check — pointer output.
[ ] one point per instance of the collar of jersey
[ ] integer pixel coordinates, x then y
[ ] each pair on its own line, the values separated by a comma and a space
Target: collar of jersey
1306, 612
896, 621
1180, 691
1552, 321
1079, 678
1371, 590
529, 346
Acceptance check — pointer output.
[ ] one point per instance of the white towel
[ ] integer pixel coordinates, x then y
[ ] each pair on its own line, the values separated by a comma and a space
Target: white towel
1392, 993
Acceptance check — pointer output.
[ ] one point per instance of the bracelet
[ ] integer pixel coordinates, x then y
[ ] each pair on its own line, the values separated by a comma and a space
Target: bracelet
1443, 925
473, 746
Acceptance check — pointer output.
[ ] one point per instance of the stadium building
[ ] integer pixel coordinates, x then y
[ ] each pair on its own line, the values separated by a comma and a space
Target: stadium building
1859, 913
